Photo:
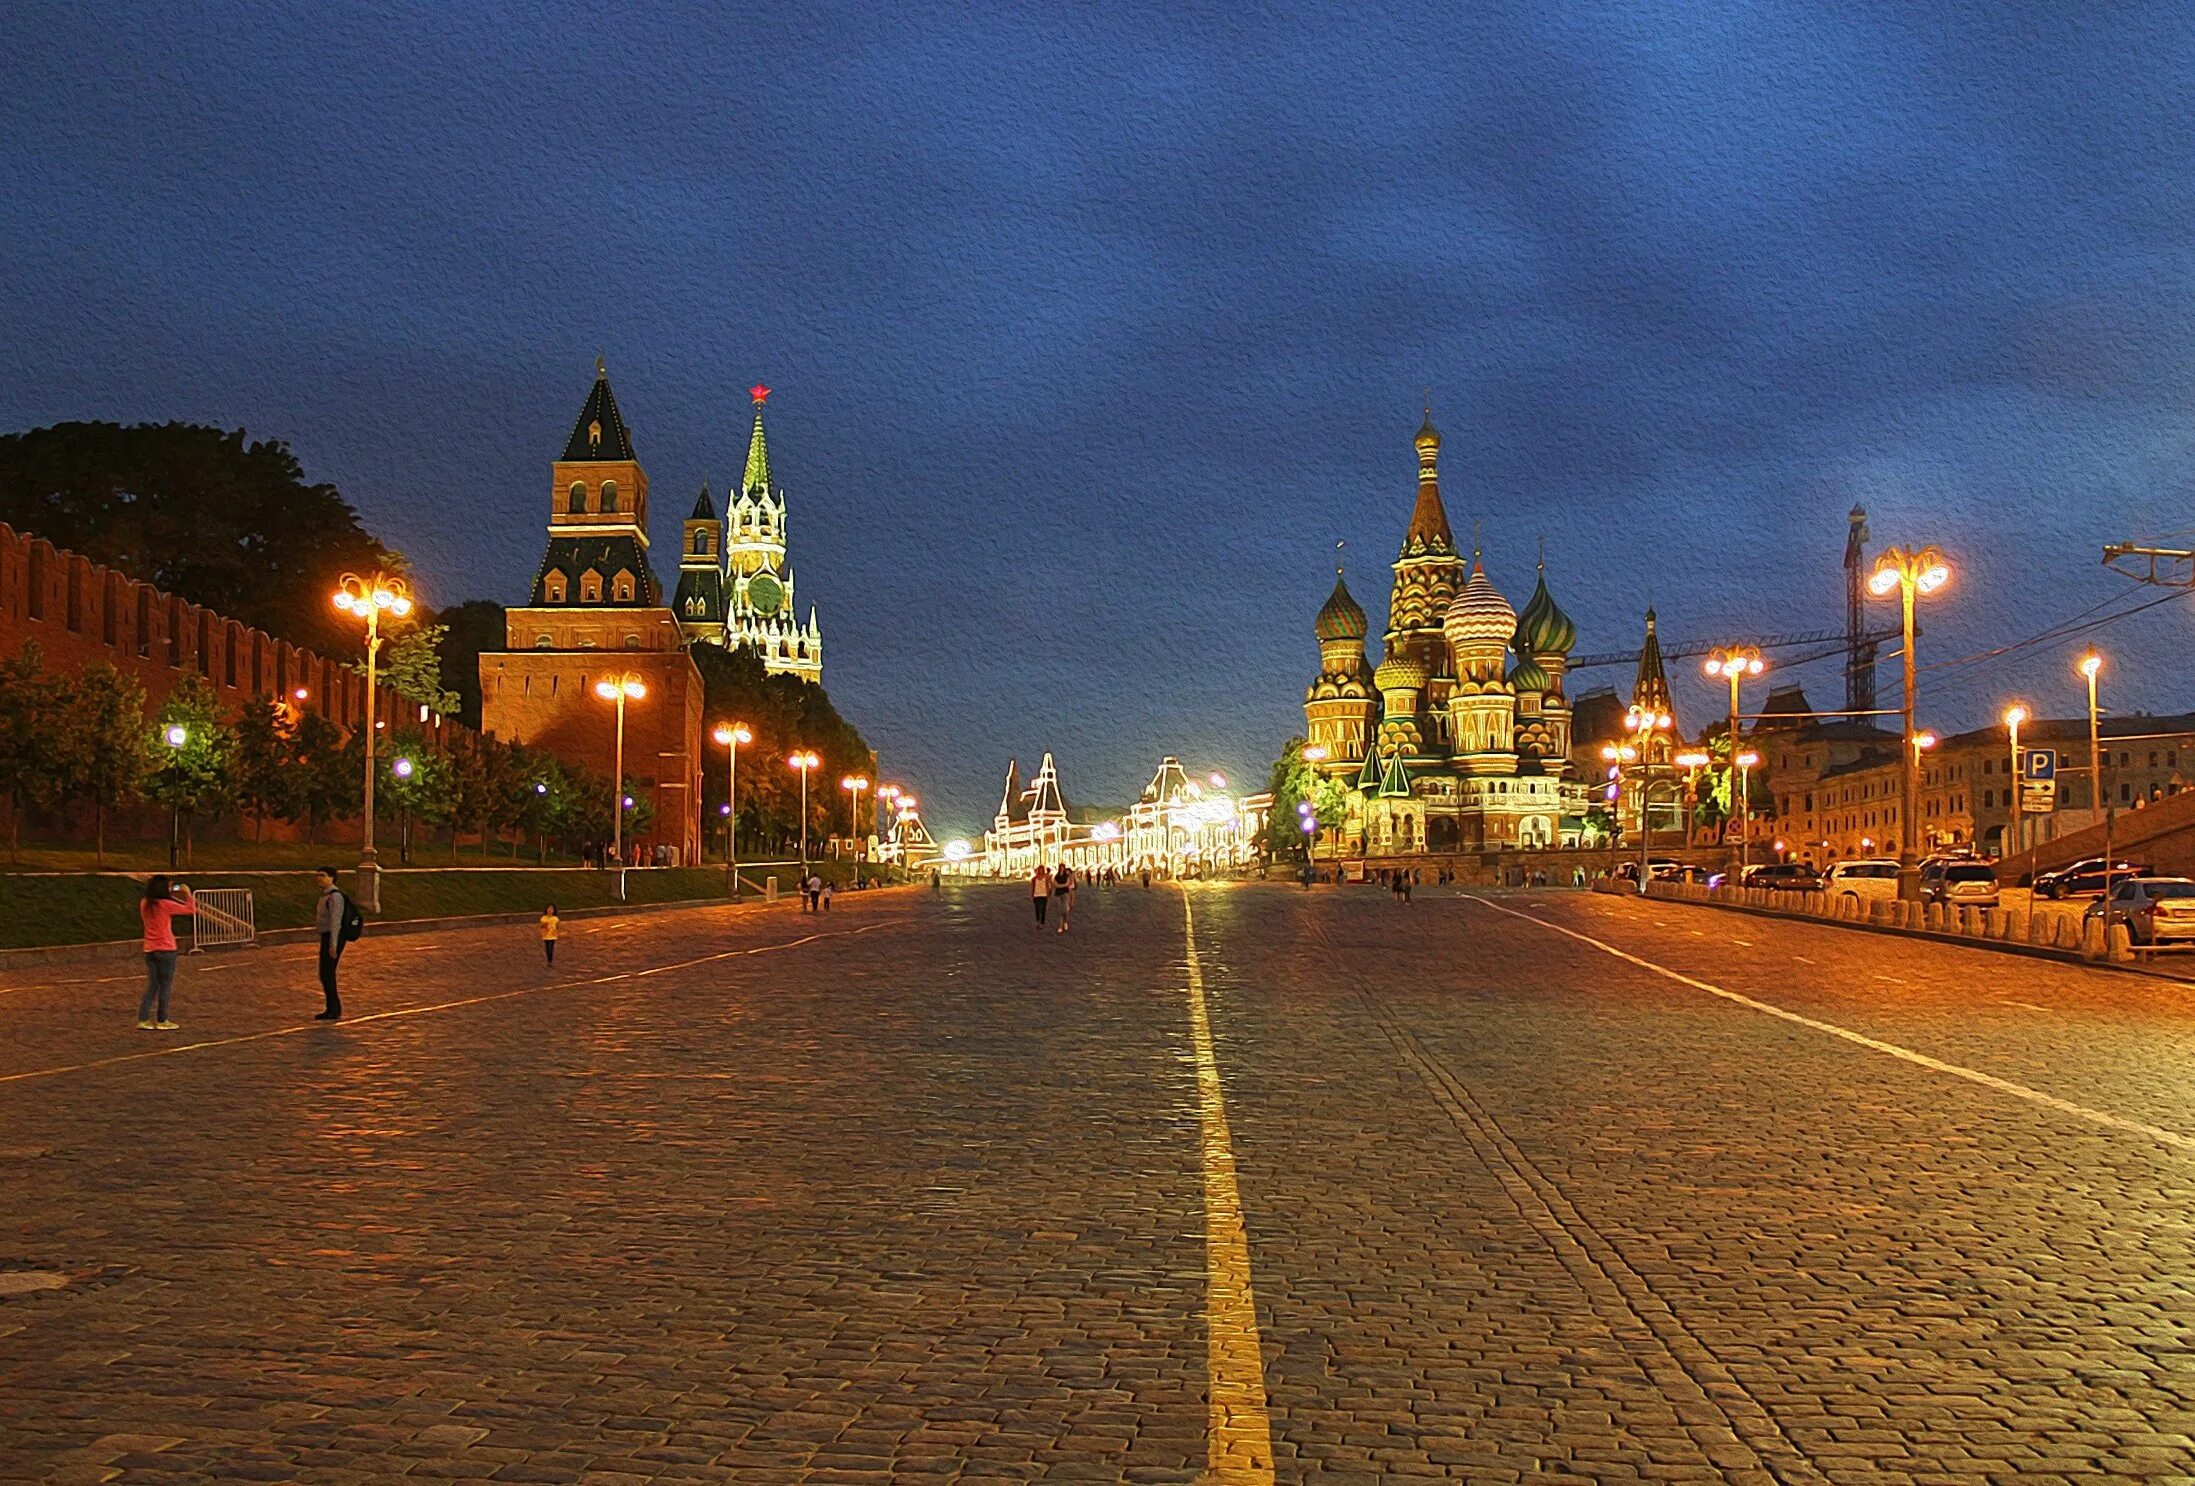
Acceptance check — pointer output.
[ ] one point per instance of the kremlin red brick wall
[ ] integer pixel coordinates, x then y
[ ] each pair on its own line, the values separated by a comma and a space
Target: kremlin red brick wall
79, 612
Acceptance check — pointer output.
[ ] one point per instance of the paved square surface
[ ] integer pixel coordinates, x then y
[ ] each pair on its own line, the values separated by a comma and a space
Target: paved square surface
1488, 1187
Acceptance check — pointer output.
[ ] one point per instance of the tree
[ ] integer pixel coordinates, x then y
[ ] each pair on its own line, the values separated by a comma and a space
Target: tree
329, 778
411, 666
784, 713
1293, 781
31, 773
269, 771
102, 743
415, 783
193, 758
469, 629
543, 798
198, 511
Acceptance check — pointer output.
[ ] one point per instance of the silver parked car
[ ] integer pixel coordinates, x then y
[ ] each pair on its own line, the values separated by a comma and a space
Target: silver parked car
2155, 910
1959, 883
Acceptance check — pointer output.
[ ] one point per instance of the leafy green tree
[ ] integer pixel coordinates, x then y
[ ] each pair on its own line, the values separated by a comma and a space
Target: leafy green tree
229, 524
543, 805
194, 760
31, 771
411, 666
103, 743
269, 772
784, 713
1292, 782
330, 779
415, 784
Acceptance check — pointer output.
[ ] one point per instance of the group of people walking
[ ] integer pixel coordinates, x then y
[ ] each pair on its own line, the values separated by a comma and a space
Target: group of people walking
1047, 886
336, 924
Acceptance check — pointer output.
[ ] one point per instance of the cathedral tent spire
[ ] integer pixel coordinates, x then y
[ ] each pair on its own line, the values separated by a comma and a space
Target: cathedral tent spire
600, 432
758, 449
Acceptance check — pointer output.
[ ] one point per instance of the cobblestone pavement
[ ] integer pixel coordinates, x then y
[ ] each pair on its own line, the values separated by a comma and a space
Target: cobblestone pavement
1549, 1186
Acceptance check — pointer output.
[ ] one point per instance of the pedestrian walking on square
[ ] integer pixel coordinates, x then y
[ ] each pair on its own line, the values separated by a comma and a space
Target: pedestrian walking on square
1063, 888
549, 923
157, 913
336, 922
1040, 891
823, 895
937, 883
815, 892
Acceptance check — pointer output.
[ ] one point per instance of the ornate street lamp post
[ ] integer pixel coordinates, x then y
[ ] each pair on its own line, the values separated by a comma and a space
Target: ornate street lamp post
1909, 574
729, 735
1743, 763
369, 599
1691, 763
854, 784
627, 686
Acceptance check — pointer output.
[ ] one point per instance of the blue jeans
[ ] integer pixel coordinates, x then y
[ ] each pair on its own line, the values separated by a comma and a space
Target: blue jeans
159, 982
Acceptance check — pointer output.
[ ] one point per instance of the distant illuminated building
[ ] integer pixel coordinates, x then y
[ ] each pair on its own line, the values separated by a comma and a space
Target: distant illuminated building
1178, 825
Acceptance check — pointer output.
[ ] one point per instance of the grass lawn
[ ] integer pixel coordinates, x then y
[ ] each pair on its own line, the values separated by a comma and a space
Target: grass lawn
243, 853
87, 909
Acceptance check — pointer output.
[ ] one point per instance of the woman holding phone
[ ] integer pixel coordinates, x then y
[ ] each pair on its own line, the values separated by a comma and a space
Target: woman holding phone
163, 901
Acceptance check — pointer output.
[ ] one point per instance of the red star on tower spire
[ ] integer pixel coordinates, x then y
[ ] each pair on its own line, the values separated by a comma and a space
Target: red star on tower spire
759, 393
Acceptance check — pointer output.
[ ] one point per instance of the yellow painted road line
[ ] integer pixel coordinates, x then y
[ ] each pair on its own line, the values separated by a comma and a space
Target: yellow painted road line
1241, 1445
405, 1011
2103, 1117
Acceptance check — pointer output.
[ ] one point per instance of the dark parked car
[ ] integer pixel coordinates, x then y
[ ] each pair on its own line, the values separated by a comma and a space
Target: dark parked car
2085, 878
1785, 877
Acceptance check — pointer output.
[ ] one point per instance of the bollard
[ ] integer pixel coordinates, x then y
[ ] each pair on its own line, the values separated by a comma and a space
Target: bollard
769, 888
2092, 937
2121, 948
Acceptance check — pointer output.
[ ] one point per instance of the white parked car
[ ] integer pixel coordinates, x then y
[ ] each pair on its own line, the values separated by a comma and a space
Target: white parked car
1862, 877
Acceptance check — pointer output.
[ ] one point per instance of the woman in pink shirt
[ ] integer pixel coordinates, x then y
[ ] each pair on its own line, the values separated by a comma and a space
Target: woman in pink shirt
162, 903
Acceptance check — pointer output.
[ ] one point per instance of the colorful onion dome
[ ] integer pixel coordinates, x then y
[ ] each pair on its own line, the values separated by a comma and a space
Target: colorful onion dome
1399, 673
1479, 613
1428, 439
1342, 617
1543, 629
1527, 675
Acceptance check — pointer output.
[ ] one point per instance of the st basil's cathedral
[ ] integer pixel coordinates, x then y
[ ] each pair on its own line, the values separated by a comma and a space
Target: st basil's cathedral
1449, 744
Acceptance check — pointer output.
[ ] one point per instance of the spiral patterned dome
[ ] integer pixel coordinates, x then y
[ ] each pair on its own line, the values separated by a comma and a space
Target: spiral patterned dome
1527, 675
1342, 617
1479, 614
1543, 629
1399, 673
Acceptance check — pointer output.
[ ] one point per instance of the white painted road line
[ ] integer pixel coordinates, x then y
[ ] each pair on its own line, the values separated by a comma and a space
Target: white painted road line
2104, 1118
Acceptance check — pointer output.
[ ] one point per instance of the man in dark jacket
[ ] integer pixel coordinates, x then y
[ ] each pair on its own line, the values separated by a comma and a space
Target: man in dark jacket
328, 925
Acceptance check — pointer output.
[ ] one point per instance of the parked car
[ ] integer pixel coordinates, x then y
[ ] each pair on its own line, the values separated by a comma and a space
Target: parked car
1960, 882
2155, 910
2085, 878
1785, 877
1863, 877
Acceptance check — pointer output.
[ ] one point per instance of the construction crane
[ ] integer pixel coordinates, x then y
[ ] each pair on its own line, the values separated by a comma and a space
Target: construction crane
1836, 638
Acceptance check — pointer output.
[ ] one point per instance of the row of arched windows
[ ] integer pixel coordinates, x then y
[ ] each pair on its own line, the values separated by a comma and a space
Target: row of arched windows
578, 495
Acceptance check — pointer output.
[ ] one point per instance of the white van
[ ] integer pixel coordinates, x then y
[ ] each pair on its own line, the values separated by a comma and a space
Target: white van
1863, 877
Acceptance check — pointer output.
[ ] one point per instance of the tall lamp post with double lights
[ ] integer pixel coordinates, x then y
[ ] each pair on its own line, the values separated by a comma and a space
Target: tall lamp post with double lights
1909, 574
729, 735
370, 599
1743, 763
854, 784
2091, 664
804, 760
1691, 763
2014, 715
623, 688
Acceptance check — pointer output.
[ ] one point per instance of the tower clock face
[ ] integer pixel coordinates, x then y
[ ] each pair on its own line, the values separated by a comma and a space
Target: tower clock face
765, 593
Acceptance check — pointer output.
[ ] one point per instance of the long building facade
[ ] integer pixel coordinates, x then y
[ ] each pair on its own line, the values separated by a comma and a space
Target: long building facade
1460, 738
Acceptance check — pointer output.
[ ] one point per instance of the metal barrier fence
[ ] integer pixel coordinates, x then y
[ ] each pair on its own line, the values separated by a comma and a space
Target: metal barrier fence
224, 917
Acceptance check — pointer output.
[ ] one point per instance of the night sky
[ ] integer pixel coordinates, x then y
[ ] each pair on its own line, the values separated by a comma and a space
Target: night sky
1093, 330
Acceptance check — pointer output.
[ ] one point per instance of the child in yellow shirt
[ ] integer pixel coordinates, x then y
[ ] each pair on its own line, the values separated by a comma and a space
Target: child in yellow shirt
548, 934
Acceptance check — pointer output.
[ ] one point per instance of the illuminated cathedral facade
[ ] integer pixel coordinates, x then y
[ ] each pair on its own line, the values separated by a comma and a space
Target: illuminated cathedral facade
1459, 739
735, 580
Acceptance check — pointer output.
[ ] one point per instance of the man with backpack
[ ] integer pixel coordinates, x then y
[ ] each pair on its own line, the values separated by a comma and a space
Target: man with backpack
338, 923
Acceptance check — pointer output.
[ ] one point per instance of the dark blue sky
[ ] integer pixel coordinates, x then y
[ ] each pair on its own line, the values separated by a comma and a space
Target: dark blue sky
1093, 329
